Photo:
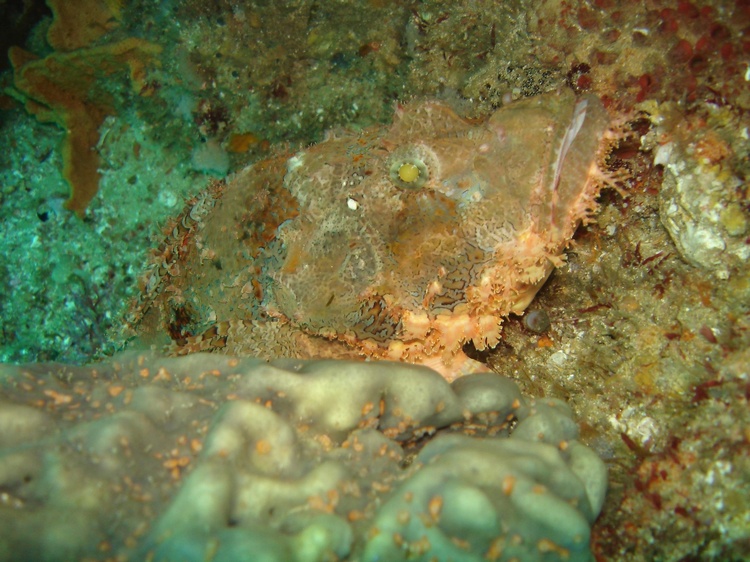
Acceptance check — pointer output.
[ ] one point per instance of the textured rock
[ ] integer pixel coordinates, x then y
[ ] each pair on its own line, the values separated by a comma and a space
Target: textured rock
700, 202
208, 458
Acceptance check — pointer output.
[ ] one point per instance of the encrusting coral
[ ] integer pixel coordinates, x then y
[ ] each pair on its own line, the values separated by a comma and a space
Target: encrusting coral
67, 86
78, 24
63, 88
209, 457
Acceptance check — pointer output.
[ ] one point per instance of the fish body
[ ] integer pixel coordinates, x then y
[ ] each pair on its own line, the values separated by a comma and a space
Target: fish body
403, 241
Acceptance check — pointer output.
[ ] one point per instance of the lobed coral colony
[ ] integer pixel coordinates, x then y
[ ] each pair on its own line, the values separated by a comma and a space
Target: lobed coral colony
213, 458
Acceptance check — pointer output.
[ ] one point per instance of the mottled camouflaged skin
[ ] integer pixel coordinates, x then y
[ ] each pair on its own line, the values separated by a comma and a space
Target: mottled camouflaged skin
323, 254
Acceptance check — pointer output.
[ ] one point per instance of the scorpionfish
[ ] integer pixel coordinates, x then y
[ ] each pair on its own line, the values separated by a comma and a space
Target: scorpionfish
402, 242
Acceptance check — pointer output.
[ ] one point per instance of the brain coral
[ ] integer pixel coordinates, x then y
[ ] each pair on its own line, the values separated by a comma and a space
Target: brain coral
212, 458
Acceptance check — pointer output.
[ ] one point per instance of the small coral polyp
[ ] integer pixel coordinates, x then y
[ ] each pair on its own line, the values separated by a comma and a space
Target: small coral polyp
456, 225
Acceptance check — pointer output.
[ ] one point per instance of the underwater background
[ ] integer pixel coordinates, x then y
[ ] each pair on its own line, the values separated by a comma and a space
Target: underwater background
115, 113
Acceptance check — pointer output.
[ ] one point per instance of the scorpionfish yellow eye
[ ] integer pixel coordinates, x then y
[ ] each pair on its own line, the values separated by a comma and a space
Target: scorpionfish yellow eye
408, 172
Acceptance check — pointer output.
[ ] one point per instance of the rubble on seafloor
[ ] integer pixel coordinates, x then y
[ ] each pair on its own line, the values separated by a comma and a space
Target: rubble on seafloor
645, 332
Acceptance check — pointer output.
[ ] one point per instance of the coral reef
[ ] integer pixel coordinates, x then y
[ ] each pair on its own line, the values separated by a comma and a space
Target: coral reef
211, 458
646, 327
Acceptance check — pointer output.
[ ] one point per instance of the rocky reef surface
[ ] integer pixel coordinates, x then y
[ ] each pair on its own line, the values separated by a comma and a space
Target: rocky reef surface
643, 331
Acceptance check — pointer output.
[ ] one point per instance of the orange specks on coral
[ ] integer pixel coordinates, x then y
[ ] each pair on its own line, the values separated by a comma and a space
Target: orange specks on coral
461, 543
262, 447
434, 507
355, 515
546, 545
59, 398
162, 375
327, 504
367, 408
210, 373
380, 487
509, 482
115, 390
325, 441
174, 466
496, 549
